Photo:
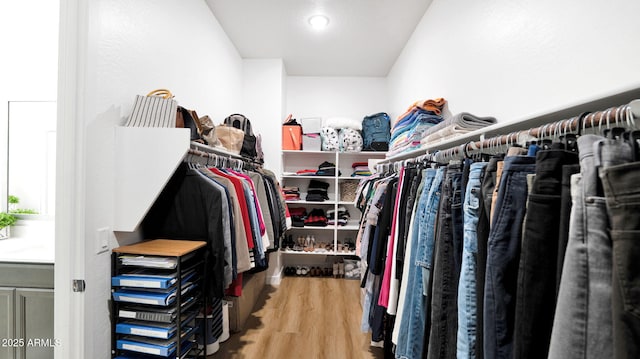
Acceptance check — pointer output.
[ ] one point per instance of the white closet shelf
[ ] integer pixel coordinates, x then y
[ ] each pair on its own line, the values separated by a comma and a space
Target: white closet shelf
505, 126
293, 161
349, 227
310, 202
316, 152
308, 177
346, 202
313, 227
145, 159
314, 253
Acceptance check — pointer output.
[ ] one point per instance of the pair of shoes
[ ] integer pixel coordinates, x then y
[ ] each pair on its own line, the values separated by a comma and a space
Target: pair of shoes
302, 271
316, 272
289, 271
309, 243
338, 269
327, 272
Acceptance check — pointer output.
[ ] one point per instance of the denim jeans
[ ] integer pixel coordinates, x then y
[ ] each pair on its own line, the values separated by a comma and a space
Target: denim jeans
446, 268
414, 314
467, 296
503, 257
536, 293
486, 195
582, 326
620, 178
565, 215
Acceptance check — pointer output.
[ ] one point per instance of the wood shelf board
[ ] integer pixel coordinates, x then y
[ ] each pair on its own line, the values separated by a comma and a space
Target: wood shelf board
161, 247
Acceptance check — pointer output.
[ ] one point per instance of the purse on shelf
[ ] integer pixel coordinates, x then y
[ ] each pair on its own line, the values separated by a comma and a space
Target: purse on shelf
231, 138
156, 109
291, 135
241, 122
207, 131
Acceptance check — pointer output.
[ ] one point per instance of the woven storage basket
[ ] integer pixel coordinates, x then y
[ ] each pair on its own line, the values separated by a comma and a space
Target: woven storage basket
348, 190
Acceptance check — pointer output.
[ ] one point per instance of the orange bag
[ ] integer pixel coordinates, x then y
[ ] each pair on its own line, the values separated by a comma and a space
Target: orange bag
292, 136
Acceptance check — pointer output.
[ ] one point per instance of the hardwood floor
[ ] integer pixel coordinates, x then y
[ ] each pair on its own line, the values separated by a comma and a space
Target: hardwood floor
310, 318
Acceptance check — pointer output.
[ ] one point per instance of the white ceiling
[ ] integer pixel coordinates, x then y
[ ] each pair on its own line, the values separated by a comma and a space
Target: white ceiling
364, 37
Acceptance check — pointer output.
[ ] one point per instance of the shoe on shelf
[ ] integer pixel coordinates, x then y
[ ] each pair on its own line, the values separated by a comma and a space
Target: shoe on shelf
298, 270
336, 270
341, 269
304, 271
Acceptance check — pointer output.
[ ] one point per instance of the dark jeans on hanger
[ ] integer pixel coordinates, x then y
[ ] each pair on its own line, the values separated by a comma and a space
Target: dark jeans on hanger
446, 271
620, 179
503, 257
536, 291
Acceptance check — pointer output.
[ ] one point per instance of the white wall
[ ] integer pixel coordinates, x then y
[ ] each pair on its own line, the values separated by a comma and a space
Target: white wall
133, 47
28, 66
324, 97
262, 102
511, 59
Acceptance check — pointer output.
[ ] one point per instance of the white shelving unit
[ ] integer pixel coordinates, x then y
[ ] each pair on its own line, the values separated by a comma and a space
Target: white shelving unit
293, 161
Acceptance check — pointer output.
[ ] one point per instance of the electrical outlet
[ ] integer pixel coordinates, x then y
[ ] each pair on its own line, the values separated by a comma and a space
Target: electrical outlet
102, 240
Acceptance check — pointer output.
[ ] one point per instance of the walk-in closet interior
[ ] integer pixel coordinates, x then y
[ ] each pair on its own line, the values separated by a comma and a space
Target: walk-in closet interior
417, 179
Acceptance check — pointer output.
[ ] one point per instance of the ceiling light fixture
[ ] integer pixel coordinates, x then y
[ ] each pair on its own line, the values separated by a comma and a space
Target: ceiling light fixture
318, 22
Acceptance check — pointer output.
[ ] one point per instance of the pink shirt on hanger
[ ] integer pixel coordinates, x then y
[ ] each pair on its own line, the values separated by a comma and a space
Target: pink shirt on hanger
383, 299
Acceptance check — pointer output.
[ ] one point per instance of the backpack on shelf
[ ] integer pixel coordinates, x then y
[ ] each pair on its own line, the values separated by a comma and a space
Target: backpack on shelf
249, 142
376, 132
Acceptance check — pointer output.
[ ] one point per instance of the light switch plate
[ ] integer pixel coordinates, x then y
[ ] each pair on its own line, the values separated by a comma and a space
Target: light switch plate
102, 240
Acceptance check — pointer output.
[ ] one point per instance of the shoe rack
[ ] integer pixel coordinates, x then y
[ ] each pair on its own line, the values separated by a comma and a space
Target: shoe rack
328, 244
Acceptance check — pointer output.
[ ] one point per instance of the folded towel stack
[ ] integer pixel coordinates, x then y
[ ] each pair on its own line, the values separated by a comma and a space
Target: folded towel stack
408, 130
459, 124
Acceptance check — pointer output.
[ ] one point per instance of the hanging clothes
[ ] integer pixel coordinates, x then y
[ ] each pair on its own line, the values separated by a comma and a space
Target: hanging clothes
549, 274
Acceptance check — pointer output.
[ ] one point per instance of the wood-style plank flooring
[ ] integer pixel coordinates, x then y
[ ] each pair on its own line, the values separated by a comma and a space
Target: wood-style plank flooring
304, 317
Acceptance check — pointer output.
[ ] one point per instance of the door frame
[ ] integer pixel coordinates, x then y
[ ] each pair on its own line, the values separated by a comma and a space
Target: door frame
69, 317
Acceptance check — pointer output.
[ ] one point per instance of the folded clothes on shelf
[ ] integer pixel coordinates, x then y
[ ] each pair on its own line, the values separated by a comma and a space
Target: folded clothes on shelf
341, 219
459, 124
291, 193
306, 172
317, 191
327, 169
316, 218
298, 215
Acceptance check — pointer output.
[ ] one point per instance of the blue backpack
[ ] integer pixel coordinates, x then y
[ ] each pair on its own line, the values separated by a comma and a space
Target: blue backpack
376, 132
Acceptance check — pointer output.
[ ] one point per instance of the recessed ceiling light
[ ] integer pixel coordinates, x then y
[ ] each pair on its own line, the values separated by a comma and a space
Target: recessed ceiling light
318, 22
